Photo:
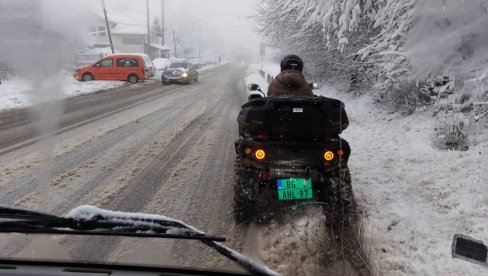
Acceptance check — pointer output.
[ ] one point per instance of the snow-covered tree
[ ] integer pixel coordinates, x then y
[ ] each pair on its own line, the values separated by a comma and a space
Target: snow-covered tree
389, 40
333, 35
448, 35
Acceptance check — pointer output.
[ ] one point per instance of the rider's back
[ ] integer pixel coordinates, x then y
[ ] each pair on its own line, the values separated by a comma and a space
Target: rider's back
289, 82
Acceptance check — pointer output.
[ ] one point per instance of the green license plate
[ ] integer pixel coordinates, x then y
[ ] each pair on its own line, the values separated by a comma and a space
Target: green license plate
294, 189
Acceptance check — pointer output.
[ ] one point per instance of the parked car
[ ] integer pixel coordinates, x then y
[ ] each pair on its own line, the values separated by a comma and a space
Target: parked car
180, 71
128, 67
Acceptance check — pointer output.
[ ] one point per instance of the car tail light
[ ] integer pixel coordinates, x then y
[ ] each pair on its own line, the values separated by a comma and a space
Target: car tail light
328, 155
262, 136
260, 154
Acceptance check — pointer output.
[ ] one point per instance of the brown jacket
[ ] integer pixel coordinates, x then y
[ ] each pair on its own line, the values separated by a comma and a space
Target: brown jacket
289, 82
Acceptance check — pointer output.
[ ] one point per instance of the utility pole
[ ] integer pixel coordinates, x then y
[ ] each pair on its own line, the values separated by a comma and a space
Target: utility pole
162, 21
108, 27
174, 42
148, 30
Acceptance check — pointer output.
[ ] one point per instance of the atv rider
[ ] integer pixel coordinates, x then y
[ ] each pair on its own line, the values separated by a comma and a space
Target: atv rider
290, 81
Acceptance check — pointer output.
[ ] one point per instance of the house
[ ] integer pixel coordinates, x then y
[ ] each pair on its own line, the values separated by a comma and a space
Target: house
129, 34
98, 29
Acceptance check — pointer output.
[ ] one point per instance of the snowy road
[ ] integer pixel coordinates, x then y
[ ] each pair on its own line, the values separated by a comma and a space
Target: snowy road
149, 148
123, 149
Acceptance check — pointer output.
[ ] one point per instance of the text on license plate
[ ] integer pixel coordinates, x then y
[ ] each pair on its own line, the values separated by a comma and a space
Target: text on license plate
294, 188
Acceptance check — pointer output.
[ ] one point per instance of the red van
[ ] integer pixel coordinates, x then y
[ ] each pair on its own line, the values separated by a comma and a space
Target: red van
128, 67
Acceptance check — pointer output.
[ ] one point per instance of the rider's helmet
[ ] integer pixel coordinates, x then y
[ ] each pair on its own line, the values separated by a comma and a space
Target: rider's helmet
291, 62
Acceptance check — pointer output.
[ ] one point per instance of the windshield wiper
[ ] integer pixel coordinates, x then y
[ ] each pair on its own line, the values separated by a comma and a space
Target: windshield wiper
89, 220
24, 221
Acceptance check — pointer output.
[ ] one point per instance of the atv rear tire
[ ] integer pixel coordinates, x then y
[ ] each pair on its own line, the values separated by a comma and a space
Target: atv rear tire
338, 198
244, 199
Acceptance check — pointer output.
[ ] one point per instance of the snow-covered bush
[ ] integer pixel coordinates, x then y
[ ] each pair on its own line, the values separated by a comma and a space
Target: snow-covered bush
452, 135
404, 97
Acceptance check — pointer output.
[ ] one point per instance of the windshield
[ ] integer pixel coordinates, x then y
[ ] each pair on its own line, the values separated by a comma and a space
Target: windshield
179, 65
318, 137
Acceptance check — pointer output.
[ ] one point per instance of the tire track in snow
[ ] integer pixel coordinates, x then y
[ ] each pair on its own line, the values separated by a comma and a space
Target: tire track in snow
144, 157
61, 180
206, 164
142, 190
112, 151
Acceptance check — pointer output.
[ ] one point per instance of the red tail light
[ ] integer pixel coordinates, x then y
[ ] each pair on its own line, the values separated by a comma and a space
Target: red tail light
262, 136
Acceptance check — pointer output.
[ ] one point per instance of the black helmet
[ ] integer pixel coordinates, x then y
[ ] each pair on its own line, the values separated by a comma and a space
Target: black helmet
291, 62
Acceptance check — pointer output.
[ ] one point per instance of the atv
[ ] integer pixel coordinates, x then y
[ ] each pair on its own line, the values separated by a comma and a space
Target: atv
289, 152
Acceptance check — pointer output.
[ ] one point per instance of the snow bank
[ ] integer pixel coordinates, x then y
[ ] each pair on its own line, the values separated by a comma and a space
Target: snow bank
415, 197
72, 87
14, 93
18, 93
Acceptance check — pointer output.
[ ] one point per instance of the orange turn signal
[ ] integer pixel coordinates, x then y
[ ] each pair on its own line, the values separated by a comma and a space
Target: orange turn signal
260, 154
247, 151
328, 155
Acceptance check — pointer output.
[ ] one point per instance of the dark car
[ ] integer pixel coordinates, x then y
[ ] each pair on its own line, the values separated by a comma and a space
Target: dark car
180, 72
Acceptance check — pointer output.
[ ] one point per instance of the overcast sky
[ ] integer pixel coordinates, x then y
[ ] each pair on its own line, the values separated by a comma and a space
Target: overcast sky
224, 24
218, 27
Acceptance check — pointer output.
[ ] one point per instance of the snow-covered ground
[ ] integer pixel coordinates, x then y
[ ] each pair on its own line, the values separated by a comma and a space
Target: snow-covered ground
18, 93
414, 197
14, 93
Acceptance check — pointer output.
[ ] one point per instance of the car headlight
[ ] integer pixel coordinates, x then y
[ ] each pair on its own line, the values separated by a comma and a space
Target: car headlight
184, 75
